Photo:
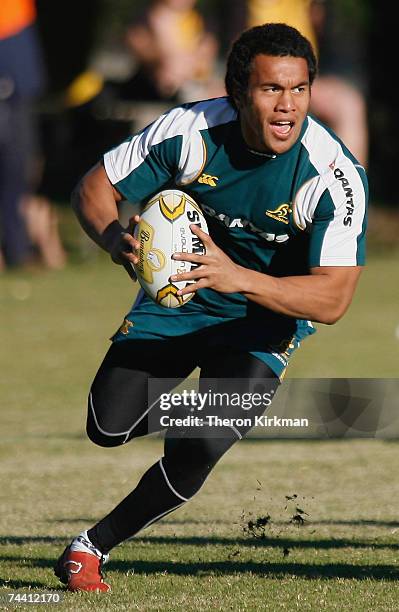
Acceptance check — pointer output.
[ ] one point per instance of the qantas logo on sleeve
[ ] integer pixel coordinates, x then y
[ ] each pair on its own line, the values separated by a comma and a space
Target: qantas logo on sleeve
350, 205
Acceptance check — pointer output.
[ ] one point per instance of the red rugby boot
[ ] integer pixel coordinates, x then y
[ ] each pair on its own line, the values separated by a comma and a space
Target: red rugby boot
79, 566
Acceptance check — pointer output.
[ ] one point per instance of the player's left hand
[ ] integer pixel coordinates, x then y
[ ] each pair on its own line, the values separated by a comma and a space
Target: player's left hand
215, 269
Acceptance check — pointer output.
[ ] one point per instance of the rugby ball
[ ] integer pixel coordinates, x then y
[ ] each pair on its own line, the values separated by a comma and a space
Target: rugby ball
164, 229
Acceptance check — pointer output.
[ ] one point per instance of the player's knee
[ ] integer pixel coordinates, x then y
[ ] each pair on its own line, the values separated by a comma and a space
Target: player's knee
101, 439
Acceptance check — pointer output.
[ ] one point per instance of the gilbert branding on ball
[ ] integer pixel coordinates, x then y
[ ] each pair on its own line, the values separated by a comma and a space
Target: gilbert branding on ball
164, 229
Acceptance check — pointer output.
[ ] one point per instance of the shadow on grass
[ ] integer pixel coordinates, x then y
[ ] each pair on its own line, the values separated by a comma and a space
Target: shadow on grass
224, 566
31, 584
272, 542
360, 522
260, 542
309, 571
268, 570
25, 540
311, 523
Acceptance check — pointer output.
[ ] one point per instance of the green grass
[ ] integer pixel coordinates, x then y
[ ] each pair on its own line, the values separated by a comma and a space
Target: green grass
54, 482
344, 557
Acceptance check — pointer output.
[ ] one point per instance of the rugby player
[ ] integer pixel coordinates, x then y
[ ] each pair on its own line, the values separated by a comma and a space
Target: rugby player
285, 203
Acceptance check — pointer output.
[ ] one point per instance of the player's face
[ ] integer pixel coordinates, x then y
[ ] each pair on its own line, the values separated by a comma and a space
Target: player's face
276, 104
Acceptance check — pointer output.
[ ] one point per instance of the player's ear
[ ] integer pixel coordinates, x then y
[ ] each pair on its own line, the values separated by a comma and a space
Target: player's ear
238, 101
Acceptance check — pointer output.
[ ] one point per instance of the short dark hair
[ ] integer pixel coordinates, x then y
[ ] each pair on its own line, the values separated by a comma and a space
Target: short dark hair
277, 39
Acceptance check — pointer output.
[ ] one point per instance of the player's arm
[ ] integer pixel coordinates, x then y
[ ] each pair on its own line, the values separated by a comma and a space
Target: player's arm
322, 296
94, 201
133, 170
336, 252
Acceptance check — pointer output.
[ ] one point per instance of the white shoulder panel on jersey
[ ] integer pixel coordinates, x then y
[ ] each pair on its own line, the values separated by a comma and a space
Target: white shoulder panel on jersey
338, 174
306, 200
180, 121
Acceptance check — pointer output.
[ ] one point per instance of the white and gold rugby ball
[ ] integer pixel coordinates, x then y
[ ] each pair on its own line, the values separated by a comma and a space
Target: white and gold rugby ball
164, 229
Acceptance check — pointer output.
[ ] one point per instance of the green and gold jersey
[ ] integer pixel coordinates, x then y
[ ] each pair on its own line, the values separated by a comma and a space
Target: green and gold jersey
277, 214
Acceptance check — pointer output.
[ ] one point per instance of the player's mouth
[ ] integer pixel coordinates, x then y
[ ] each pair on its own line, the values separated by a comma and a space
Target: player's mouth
281, 129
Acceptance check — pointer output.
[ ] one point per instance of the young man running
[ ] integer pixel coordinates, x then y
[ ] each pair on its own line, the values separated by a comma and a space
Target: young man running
285, 203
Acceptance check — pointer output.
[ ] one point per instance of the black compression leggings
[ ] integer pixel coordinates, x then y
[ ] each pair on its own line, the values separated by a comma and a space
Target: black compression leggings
119, 411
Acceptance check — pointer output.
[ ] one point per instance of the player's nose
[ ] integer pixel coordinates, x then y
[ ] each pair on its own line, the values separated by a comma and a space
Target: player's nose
286, 101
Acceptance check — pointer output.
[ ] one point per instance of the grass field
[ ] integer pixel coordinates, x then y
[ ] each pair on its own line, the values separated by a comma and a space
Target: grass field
54, 482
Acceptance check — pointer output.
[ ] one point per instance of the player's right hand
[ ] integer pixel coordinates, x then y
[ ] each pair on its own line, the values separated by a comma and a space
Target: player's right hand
125, 249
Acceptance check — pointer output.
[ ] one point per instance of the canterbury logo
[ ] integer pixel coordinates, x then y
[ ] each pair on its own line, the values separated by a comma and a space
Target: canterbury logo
70, 570
280, 214
207, 179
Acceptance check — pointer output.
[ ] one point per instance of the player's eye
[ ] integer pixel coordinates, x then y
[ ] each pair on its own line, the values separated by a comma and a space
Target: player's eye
270, 88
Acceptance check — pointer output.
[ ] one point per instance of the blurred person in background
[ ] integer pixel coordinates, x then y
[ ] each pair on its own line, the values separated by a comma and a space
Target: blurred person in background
175, 53
26, 222
71, 133
339, 92
242, 14
21, 79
